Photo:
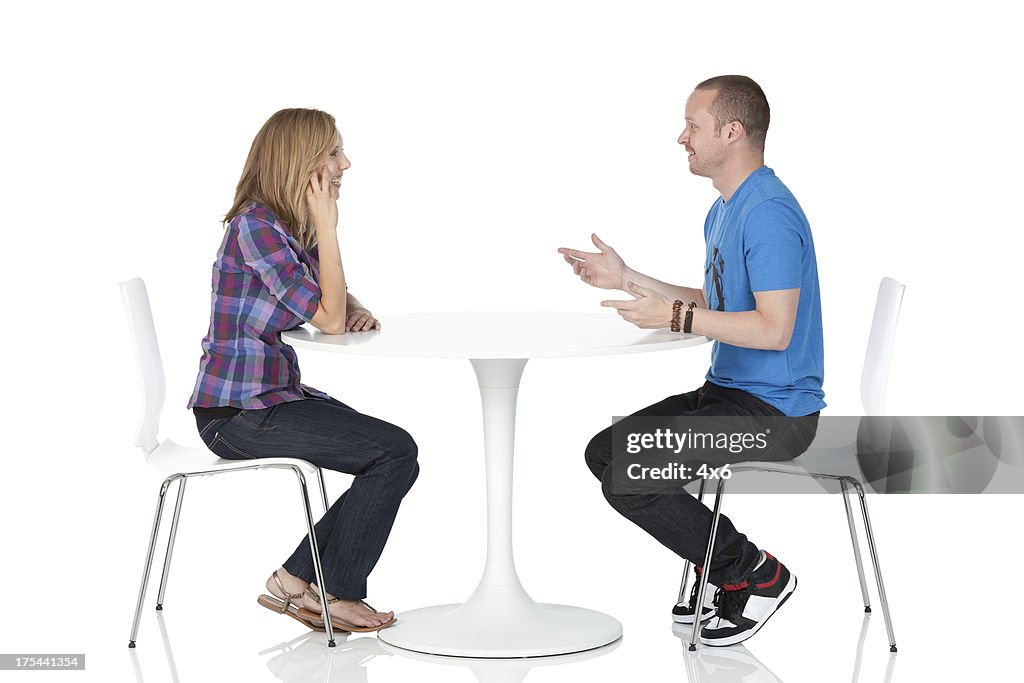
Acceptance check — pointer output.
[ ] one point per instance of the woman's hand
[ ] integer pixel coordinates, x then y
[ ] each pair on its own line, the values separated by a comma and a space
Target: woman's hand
604, 270
360, 320
321, 203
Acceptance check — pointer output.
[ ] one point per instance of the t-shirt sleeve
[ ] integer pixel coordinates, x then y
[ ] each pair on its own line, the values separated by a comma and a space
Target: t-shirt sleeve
267, 251
773, 247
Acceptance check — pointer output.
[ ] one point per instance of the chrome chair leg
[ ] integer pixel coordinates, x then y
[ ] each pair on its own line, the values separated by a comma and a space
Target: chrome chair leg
707, 563
686, 565
878, 569
149, 557
323, 489
856, 545
170, 544
315, 551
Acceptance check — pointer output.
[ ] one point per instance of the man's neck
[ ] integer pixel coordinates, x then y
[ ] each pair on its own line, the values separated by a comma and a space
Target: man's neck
732, 175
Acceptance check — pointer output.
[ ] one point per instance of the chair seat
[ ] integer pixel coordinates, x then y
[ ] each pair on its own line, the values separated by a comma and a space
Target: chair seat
172, 457
830, 462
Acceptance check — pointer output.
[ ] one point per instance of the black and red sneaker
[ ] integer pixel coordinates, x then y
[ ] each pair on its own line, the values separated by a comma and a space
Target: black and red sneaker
744, 607
682, 613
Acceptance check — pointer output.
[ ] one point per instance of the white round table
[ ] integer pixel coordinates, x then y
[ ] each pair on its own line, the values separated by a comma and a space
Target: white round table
499, 619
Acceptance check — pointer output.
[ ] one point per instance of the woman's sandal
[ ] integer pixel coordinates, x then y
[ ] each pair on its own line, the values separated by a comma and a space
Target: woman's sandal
287, 606
335, 622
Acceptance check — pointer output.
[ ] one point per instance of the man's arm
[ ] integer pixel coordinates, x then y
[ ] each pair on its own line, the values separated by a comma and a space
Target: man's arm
605, 269
769, 326
669, 291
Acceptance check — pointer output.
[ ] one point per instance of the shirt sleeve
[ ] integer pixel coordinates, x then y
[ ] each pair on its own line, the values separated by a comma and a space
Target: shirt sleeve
266, 250
773, 247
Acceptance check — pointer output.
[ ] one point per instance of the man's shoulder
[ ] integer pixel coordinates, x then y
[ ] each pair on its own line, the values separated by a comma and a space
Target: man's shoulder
770, 199
766, 186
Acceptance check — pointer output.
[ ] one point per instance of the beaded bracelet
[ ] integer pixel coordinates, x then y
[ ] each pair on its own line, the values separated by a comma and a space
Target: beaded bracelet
677, 306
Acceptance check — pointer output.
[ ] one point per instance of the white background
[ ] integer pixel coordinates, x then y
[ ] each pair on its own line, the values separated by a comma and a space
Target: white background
483, 136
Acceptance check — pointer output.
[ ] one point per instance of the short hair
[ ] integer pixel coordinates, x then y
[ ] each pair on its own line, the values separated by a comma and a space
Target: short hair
289, 149
740, 99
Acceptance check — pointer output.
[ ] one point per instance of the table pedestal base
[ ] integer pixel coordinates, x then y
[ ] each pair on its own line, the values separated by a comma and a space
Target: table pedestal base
501, 621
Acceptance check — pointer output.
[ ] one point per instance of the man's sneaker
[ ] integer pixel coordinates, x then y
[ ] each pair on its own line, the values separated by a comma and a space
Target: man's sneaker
682, 613
743, 608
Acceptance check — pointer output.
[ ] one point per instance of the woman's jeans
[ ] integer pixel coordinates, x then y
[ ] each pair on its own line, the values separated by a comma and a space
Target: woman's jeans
333, 436
678, 520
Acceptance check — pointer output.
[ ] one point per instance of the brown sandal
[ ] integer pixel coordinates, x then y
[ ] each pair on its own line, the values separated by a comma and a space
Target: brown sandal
290, 608
314, 595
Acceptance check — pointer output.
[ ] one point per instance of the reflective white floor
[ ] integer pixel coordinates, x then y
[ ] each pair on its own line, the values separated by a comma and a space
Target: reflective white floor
360, 659
821, 634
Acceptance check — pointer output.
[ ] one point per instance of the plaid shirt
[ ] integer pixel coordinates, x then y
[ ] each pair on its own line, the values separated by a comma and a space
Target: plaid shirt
264, 282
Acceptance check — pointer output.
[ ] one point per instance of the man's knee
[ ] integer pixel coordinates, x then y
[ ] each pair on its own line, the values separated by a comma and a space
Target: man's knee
599, 452
617, 495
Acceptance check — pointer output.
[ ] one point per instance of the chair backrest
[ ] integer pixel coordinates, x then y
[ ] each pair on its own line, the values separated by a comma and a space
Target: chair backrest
875, 375
147, 355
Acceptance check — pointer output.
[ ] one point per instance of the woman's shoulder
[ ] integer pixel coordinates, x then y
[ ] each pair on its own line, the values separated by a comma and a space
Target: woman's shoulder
256, 215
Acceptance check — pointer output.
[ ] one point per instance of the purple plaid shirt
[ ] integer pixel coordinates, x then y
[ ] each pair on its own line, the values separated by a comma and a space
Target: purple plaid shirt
264, 282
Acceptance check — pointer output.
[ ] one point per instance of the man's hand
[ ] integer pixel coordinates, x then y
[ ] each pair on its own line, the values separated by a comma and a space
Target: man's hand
649, 310
360, 320
604, 270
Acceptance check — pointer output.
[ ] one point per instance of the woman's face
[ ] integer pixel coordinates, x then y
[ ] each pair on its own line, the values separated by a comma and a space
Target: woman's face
336, 165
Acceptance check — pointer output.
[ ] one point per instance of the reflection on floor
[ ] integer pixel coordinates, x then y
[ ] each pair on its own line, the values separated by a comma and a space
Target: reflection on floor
307, 658
737, 664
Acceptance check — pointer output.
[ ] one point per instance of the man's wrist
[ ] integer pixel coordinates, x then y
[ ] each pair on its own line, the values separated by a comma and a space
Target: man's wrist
628, 275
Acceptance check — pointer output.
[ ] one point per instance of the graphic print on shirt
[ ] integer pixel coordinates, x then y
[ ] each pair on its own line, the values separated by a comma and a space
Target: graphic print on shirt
715, 268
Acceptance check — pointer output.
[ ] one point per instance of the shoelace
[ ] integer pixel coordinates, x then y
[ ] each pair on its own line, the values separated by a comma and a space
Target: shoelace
730, 604
693, 594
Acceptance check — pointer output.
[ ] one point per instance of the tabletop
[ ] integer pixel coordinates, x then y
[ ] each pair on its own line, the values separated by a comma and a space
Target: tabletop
496, 335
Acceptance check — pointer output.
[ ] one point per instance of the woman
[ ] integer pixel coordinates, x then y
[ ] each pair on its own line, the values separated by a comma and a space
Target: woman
279, 266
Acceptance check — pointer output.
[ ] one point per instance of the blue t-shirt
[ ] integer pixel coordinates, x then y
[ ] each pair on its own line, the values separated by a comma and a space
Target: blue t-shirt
760, 241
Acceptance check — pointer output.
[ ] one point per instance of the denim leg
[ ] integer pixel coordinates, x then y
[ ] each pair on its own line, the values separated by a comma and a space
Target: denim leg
677, 520
331, 435
682, 524
599, 451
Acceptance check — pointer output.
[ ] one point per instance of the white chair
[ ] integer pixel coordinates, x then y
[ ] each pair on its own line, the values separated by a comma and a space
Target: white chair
184, 462
874, 377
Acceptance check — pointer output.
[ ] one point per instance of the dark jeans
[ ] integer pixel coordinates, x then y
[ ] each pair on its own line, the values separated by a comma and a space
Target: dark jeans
677, 520
333, 436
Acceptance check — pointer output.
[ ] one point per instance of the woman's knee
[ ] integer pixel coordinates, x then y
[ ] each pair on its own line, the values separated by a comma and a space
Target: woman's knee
400, 447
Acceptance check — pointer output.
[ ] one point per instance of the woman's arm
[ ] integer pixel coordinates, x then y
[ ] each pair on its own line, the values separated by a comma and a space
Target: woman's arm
359, 317
331, 312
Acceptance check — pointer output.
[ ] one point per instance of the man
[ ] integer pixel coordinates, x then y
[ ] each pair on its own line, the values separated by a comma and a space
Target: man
760, 303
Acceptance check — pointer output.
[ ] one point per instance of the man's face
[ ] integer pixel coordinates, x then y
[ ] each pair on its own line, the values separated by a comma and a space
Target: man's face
701, 138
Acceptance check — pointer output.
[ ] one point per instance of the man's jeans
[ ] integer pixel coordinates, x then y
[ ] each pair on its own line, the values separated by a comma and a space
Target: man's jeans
333, 436
677, 520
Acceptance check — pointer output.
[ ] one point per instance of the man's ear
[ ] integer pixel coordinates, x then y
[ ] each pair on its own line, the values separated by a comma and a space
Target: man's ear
734, 131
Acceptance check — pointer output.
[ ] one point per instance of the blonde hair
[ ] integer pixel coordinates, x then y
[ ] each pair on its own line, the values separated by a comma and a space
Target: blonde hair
290, 147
